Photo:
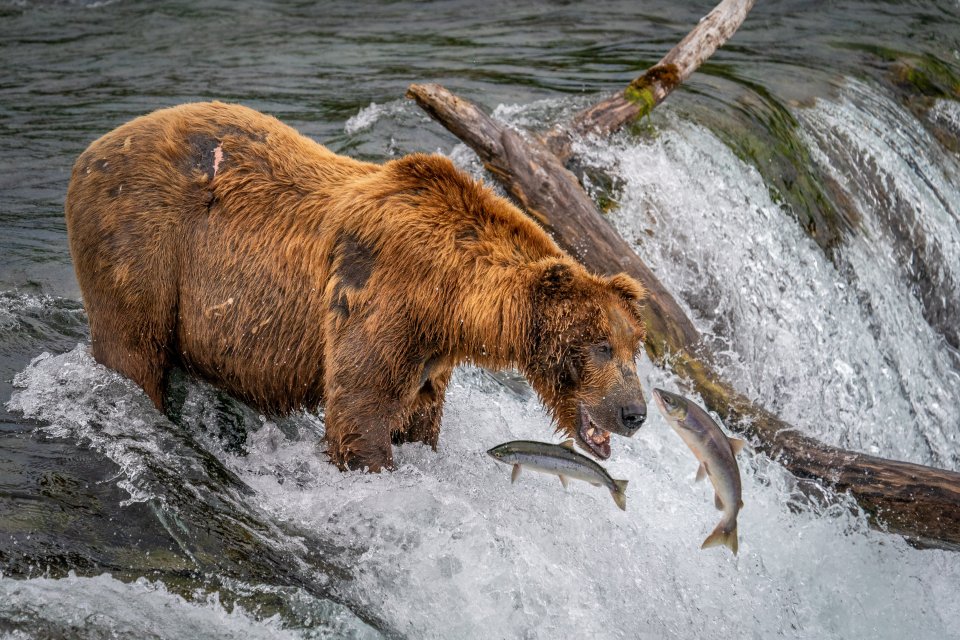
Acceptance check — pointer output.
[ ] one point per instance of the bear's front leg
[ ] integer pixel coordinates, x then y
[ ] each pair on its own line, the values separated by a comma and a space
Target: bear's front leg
423, 425
358, 431
363, 397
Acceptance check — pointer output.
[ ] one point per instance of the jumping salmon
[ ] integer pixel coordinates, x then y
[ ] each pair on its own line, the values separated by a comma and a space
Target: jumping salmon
559, 460
716, 453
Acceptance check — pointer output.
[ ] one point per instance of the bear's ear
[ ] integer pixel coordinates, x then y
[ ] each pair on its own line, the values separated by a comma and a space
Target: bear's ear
627, 288
553, 277
630, 291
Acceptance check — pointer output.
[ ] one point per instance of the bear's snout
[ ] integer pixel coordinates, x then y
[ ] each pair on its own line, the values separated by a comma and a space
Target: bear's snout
633, 414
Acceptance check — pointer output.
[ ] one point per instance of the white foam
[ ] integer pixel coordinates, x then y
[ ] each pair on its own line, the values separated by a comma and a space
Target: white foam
371, 114
91, 404
946, 113
102, 607
921, 185
446, 547
899, 167
532, 116
14, 304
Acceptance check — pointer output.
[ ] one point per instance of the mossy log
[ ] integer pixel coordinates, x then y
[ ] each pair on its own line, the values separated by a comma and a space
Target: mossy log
651, 88
917, 502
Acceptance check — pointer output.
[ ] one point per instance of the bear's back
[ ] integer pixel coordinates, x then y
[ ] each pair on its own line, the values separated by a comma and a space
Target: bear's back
173, 163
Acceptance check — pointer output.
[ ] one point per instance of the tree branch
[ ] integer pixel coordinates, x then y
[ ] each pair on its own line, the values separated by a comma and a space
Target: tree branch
650, 89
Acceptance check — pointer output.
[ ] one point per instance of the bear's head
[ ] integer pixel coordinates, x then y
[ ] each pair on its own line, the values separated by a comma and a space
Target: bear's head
586, 331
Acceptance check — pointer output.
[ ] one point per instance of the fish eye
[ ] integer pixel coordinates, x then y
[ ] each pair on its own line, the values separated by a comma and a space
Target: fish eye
673, 403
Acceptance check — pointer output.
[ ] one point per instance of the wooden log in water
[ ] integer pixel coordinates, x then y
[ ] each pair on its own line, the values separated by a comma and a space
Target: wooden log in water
651, 88
920, 503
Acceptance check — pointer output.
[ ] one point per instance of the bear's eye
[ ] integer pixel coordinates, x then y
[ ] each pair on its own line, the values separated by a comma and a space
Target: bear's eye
603, 350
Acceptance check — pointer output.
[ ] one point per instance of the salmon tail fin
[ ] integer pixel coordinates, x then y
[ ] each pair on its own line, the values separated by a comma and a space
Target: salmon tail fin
619, 493
721, 537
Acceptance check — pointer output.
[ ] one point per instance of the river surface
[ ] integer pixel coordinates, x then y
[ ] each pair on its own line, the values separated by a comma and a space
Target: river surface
800, 195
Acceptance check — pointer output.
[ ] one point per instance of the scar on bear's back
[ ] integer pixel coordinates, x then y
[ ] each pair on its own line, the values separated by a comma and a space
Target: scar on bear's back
206, 154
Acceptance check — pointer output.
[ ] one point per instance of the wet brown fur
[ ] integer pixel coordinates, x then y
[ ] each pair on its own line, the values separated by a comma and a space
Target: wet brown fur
216, 238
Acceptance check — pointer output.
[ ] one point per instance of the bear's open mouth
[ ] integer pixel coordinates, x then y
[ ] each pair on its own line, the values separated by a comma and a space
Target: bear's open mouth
597, 440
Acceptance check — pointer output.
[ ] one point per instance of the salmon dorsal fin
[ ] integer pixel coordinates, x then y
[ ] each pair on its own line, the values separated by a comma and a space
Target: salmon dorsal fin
567, 444
736, 444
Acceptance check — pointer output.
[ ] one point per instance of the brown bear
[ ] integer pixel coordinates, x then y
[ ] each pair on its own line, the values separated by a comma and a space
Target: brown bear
215, 238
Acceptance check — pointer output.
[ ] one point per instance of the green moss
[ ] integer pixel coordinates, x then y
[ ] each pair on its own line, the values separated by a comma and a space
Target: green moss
641, 96
604, 189
640, 91
915, 74
928, 78
606, 203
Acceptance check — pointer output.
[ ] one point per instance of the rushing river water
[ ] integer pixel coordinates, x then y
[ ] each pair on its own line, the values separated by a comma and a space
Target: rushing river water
800, 196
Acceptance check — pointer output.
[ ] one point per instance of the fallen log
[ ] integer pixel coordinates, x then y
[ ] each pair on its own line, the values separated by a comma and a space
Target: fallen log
651, 88
920, 503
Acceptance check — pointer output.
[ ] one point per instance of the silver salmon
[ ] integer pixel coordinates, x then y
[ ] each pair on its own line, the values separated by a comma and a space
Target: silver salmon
559, 460
717, 455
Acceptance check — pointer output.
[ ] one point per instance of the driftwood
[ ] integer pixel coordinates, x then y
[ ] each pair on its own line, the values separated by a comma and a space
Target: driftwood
651, 88
920, 503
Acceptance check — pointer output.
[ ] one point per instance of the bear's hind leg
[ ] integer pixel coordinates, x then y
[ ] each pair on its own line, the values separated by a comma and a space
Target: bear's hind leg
138, 357
132, 337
